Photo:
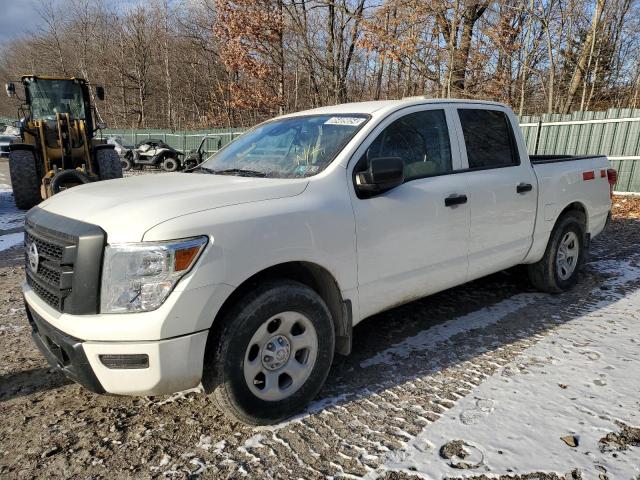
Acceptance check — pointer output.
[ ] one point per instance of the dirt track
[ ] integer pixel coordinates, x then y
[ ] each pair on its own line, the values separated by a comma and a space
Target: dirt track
409, 366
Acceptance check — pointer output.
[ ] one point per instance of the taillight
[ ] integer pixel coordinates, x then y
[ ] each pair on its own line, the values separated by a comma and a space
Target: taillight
612, 176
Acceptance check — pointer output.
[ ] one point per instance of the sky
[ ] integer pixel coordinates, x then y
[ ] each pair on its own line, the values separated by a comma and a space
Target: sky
18, 17
22, 17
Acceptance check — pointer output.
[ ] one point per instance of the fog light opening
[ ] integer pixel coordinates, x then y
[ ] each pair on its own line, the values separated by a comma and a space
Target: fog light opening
128, 361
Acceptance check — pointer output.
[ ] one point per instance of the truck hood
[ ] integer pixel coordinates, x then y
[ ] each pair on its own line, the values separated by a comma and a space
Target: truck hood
126, 208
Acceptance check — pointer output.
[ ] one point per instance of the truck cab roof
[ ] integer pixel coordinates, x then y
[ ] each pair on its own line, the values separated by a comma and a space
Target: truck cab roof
381, 107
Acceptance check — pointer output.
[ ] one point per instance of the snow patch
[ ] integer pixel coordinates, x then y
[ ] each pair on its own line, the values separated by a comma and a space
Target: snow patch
176, 397
10, 215
11, 240
577, 383
431, 337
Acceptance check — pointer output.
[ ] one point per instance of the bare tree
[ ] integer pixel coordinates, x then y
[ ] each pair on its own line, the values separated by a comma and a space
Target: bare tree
203, 63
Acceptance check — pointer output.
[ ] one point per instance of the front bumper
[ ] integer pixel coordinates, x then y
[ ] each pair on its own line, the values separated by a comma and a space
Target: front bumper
63, 352
174, 364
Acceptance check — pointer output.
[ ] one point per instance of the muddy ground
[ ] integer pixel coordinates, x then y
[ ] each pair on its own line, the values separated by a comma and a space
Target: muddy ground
51, 428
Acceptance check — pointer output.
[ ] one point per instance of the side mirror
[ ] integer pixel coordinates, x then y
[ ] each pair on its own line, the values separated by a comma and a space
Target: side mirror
101, 126
384, 173
11, 89
100, 92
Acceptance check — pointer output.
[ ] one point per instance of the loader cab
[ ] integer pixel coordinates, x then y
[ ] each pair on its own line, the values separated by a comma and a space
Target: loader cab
48, 97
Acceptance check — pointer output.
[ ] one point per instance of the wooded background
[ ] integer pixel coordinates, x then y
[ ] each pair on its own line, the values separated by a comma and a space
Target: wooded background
218, 63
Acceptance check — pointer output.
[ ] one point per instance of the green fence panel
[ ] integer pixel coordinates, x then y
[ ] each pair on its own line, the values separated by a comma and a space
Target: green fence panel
615, 133
184, 141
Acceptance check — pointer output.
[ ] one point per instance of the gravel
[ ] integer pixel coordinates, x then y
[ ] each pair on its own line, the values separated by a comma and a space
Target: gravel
368, 410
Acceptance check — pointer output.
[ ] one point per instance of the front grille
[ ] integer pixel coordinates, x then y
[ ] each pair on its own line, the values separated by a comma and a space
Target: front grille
50, 275
47, 281
69, 254
46, 248
51, 298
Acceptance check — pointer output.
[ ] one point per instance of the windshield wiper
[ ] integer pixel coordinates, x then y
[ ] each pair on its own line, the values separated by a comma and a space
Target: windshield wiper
230, 171
240, 172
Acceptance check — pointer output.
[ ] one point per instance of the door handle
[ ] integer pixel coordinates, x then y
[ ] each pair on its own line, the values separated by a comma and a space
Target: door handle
524, 187
455, 199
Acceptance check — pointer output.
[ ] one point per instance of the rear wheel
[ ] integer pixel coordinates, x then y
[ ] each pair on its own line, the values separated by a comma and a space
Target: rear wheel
109, 165
170, 164
24, 178
559, 268
272, 353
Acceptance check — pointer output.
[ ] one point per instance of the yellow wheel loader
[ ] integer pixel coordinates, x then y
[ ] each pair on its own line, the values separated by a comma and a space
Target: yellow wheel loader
57, 148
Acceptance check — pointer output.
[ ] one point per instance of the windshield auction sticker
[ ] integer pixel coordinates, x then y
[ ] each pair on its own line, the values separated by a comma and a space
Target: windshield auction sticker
349, 121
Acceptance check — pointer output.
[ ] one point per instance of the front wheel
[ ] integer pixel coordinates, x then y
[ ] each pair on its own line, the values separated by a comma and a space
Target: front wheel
125, 162
559, 269
272, 355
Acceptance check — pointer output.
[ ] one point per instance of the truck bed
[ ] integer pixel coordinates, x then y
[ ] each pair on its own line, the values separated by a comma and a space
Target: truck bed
537, 159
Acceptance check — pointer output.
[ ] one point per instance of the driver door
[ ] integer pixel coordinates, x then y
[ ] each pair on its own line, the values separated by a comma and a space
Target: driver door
410, 243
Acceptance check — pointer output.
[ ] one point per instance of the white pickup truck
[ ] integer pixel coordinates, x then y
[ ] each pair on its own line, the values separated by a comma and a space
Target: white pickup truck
248, 274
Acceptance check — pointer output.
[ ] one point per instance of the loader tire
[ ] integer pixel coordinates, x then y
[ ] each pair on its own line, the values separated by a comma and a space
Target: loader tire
66, 179
24, 179
109, 165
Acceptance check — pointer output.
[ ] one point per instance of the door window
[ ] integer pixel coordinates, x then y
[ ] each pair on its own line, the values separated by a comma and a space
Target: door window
488, 138
421, 139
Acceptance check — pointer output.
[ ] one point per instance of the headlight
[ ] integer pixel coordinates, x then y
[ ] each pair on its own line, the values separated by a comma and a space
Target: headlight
138, 277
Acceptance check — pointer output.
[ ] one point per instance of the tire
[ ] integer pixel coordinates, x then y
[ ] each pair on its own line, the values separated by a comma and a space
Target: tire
126, 164
24, 178
73, 177
277, 311
551, 274
190, 164
108, 163
170, 164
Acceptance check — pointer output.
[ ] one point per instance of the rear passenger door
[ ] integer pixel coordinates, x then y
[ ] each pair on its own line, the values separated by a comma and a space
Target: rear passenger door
411, 240
502, 190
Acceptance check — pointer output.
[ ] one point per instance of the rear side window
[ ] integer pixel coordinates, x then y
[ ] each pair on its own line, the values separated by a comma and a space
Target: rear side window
488, 138
421, 139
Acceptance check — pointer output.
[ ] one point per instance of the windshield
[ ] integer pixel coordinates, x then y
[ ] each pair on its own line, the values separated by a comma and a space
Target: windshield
287, 148
49, 97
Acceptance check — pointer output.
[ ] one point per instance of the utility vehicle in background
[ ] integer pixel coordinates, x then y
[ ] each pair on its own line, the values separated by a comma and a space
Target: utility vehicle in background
249, 274
8, 135
57, 148
153, 153
198, 155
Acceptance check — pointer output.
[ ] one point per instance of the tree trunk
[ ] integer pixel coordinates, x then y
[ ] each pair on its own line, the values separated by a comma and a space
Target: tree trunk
552, 71
280, 47
471, 13
581, 67
167, 69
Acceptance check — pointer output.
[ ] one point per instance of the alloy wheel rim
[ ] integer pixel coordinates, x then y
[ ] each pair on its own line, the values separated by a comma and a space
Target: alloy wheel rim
280, 356
567, 255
